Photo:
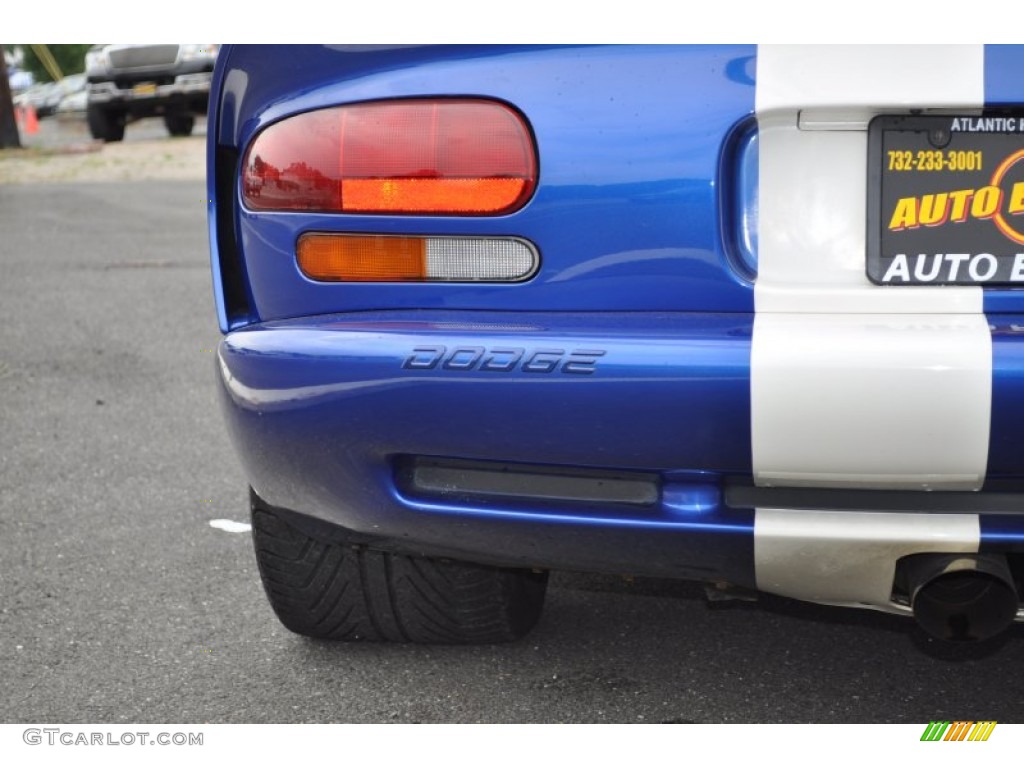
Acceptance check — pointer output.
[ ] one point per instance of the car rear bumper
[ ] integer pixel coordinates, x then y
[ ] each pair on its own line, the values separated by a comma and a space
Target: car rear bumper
615, 442
327, 412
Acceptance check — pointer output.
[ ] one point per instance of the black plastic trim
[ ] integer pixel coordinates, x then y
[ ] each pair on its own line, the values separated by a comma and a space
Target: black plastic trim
746, 496
448, 477
237, 303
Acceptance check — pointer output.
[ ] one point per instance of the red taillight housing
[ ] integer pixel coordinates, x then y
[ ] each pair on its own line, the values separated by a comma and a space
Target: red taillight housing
461, 157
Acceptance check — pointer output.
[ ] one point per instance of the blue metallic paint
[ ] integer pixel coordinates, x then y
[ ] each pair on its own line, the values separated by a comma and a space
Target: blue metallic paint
1002, 533
681, 383
1005, 459
1003, 84
213, 121
328, 408
710, 544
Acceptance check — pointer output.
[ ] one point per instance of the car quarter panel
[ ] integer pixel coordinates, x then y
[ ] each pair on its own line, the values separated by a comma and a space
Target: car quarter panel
628, 211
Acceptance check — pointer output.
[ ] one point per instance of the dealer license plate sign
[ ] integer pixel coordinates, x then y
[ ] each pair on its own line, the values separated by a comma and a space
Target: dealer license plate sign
946, 200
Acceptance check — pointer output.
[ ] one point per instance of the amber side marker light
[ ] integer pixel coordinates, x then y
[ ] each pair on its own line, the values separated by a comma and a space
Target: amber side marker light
384, 258
461, 157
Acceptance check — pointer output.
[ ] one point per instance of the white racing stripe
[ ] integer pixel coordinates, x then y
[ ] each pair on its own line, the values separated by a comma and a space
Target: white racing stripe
849, 558
879, 401
794, 77
813, 184
855, 385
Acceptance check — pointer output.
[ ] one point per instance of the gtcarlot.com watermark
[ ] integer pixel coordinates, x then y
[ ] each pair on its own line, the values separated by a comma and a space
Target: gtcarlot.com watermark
59, 736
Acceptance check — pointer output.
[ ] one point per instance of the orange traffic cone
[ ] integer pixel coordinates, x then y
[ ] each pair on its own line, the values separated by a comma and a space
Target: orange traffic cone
31, 120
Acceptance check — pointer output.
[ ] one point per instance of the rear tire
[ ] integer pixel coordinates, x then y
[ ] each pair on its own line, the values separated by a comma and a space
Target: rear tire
331, 590
105, 124
179, 125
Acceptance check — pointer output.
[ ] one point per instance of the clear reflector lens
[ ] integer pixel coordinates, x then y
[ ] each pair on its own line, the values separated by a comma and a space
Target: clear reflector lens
385, 258
748, 203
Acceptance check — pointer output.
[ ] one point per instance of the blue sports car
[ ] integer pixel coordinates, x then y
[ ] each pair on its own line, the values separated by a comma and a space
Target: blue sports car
751, 316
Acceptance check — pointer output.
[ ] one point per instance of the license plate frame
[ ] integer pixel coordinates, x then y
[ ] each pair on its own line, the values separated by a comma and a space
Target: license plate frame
946, 200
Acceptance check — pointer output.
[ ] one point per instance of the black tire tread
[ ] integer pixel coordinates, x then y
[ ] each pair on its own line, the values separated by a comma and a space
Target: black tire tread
104, 124
337, 591
179, 124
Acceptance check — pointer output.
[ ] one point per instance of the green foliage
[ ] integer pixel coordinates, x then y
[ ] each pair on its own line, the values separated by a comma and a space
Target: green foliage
69, 57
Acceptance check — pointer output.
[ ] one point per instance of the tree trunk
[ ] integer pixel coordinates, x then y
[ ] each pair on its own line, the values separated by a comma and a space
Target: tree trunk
8, 125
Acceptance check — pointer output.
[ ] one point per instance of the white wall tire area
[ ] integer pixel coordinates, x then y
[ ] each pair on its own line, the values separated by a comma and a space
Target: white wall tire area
336, 591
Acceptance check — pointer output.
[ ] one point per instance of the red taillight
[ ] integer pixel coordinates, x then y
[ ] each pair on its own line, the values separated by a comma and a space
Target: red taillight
452, 156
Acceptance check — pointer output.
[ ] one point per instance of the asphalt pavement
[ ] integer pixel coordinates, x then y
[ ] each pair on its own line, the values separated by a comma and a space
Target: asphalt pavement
121, 603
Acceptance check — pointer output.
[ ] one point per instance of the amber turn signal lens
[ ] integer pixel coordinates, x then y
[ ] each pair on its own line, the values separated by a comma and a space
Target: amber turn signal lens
354, 258
338, 257
464, 157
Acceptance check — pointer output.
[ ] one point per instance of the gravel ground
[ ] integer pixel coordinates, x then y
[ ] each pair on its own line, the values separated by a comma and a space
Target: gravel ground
61, 153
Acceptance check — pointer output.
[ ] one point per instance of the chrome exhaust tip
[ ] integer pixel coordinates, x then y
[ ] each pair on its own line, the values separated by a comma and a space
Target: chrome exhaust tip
961, 598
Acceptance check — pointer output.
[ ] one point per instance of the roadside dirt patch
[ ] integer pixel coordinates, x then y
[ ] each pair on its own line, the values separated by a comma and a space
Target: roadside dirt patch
183, 158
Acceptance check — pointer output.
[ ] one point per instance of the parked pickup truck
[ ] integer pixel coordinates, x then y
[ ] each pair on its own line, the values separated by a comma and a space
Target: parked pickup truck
128, 82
